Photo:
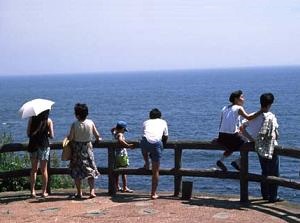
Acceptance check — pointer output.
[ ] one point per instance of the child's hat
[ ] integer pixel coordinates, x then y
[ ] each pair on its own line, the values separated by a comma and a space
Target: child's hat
122, 125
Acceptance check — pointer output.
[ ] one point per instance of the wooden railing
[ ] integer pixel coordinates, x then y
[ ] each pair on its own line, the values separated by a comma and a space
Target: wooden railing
177, 171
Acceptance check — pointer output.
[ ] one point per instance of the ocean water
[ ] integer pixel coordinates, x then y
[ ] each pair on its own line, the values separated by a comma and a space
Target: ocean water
190, 101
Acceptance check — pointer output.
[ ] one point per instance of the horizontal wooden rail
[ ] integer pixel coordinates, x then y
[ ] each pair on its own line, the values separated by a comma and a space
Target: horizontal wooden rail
177, 171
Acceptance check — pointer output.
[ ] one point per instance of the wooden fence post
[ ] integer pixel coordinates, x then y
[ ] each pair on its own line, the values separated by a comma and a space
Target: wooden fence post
177, 171
177, 177
244, 194
49, 175
112, 190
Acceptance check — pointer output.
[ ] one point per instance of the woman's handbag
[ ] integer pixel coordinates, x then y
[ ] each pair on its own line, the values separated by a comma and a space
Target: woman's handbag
67, 150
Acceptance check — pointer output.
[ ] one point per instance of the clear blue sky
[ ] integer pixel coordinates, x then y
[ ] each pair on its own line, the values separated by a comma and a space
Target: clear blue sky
69, 36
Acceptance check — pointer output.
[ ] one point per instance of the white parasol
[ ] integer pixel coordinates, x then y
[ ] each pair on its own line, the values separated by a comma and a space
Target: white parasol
35, 107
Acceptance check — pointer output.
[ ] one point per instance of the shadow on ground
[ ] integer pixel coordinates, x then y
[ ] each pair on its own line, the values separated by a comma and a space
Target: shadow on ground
284, 210
56, 196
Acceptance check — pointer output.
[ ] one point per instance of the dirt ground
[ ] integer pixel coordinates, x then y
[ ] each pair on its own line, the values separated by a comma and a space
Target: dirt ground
138, 207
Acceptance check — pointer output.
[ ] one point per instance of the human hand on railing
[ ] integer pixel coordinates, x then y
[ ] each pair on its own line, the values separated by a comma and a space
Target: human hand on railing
131, 146
98, 139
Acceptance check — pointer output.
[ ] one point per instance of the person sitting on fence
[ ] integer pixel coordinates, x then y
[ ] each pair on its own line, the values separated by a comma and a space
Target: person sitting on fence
229, 134
39, 130
155, 136
82, 162
263, 131
122, 159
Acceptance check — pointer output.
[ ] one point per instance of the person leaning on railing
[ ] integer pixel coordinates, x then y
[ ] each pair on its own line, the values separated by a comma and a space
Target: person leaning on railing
39, 130
155, 136
82, 163
268, 160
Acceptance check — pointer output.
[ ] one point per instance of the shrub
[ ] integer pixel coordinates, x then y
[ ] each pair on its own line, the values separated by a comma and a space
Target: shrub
21, 160
59, 181
13, 161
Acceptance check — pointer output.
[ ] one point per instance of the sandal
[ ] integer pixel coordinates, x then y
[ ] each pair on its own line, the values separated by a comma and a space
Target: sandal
32, 195
127, 190
77, 196
92, 196
45, 195
120, 189
221, 165
154, 196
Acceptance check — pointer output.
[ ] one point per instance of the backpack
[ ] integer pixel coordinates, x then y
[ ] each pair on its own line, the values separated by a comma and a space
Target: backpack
265, 140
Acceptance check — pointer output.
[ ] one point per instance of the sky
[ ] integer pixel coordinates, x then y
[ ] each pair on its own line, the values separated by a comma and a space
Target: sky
83, 36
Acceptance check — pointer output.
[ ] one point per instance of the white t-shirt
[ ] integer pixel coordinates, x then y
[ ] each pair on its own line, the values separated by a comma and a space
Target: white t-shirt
154, 129
231, 120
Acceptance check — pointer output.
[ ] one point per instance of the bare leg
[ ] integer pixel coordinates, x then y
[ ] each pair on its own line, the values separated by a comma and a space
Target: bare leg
227, 153
33, 173
125, 188
78, 187
91, 182
124, 180
44, 177
220, 163
117, 182
155, 177
146, 159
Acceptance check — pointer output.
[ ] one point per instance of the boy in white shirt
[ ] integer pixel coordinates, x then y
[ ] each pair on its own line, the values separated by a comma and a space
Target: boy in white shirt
155, 136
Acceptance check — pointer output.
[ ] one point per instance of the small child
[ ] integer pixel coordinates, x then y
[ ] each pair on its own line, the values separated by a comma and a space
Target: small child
121, 153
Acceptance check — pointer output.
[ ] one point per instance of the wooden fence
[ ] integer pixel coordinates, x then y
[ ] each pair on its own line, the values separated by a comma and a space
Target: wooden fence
177, 171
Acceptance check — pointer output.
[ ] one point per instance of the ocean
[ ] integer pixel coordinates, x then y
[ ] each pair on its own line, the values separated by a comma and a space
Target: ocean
190, 101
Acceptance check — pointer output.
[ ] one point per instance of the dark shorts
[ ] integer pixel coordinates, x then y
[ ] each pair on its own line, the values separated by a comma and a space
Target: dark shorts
154, 149
232, 142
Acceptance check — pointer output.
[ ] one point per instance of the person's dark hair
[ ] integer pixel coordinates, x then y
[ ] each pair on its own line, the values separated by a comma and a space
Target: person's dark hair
81, 111
44, 115
266, 99
155, 113
39, 123
235, 94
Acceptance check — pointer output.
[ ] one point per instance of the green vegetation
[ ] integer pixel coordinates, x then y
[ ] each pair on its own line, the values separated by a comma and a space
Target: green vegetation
11, 161
20, 160
59, 181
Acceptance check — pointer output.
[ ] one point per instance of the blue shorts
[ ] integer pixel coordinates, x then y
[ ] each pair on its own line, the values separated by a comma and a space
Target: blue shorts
154, 149
41, 154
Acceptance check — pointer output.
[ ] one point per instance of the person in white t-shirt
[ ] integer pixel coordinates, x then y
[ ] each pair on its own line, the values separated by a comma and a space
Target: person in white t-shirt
270, 167
155, 136
229, 134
